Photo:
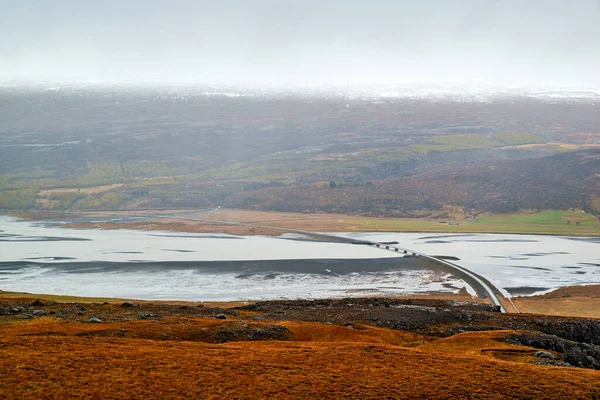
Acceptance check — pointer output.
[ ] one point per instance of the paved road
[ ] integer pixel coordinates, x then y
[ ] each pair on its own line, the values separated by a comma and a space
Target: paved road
484, 285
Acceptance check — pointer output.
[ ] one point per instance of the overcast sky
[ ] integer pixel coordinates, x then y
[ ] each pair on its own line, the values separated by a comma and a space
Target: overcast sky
327, 42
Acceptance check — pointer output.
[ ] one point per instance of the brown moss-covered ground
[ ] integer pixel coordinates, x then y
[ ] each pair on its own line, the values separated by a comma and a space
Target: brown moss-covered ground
582, 301
158, 350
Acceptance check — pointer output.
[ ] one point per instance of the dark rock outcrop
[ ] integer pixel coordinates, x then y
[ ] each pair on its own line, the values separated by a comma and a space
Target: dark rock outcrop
241, 331
582, 355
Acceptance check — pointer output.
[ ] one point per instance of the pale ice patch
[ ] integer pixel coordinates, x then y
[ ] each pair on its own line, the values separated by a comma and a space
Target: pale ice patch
509, 261
194, 286
119, 245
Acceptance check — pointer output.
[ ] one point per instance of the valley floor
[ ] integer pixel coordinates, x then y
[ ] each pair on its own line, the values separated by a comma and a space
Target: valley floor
549, 222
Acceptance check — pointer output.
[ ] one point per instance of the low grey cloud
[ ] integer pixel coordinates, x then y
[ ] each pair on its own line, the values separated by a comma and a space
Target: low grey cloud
331, 42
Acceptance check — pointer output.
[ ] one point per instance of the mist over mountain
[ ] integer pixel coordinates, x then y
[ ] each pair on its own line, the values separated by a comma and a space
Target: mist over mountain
187, 104
284, 43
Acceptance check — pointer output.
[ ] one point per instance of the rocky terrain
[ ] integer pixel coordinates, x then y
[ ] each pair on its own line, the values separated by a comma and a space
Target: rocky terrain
577, 340
326, 349
573, 342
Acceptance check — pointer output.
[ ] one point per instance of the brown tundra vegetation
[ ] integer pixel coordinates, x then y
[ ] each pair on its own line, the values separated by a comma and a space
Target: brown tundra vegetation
276, 350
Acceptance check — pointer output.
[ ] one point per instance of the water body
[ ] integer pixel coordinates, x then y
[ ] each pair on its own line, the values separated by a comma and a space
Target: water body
520, 264
43, 258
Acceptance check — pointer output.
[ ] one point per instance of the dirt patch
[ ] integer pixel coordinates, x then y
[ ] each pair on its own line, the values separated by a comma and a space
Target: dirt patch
581, 301
591, 291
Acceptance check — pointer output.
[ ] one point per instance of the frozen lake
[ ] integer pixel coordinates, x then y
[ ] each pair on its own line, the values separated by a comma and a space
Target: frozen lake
41, 258
520, 264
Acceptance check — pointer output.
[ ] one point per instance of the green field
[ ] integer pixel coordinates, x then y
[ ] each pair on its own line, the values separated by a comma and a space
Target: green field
515, 139
543, 218
460, 142
551, 222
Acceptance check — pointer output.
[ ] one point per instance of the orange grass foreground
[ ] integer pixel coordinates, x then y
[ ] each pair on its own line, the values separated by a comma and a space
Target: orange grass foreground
173, 358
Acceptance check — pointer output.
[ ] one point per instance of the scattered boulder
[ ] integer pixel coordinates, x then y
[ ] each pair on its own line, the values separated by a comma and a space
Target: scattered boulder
39, 313
15, 310
224, 311
544, 354
470, 328
128, 304
583, 355
240, 332
37, 303
221, 316
95, 320
146, 316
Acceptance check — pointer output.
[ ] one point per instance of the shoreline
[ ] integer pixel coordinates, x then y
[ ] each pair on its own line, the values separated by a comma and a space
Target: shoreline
568, 301
275, 223
461, 295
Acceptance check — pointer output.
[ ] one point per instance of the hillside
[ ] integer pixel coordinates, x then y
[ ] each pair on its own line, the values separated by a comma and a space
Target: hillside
562, 181
128, 148
322, 349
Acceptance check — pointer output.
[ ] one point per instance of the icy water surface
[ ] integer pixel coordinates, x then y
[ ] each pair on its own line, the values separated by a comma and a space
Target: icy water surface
41, 258
520, 264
